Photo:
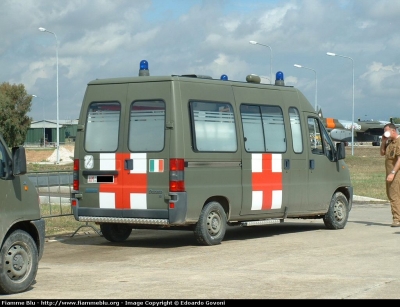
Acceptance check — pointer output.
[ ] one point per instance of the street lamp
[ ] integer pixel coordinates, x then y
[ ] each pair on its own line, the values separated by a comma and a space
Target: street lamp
352, 119
44, 124
270, 58
58, 130
316, 85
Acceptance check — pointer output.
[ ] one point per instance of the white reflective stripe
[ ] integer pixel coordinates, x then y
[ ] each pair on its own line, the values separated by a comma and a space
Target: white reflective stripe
139, 163
138, 201
107, 161
107, 200
256, 163
276, 199
277, 163
256, 200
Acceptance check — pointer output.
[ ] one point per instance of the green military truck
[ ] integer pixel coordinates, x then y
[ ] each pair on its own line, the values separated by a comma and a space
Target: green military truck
22, 230
192, 152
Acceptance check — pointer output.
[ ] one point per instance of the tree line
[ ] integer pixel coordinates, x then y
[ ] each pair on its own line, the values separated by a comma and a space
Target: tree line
15, 103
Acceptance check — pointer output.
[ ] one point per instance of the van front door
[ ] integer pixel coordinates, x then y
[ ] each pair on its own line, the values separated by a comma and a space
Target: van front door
322, 168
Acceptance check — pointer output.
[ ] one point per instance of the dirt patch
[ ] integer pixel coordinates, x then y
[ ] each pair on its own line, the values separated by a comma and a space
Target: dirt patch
46, 154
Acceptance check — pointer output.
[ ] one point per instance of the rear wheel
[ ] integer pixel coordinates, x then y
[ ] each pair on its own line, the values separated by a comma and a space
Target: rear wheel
211, 226
338, 212
19, 263
115, 232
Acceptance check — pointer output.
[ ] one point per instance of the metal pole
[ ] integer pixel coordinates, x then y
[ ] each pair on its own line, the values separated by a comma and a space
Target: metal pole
270, 57
316, 84
44, 128
352, 116
58, 121
352, 126
316, 88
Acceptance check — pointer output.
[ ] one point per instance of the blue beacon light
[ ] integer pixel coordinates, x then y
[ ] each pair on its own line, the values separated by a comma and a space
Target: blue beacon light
144, 68
279, 79
224, 78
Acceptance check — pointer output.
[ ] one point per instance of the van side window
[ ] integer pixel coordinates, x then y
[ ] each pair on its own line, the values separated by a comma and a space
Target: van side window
213, 126
147, 126
320, 141
263, 128
296, 130
102, 126
327, 143
315, 137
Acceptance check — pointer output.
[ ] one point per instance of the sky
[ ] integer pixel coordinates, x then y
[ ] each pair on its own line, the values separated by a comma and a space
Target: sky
97, 39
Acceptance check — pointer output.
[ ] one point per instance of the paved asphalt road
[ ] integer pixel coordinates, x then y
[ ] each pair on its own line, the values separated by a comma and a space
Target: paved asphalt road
297, 259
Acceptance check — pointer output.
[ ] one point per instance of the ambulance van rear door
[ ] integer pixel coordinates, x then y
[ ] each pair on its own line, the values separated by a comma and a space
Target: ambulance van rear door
125, 150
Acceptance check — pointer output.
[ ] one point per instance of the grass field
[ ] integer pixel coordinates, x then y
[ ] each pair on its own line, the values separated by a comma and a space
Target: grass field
367, 171
366, 166
62, 224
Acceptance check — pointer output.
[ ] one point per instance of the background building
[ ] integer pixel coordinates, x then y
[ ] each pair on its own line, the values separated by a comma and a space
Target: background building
47, 129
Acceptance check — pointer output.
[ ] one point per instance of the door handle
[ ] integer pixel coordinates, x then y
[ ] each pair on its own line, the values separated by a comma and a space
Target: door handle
128, 165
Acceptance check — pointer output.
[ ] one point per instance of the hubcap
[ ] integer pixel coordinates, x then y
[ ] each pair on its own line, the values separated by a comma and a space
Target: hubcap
16, 262
214, 223
339, 211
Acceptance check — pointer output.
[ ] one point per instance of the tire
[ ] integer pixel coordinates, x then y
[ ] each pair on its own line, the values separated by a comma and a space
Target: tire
19, 263
115, 232
338, 212
211, 226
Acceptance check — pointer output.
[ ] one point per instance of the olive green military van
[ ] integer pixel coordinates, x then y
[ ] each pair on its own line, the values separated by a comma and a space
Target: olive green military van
22, 230
196, 153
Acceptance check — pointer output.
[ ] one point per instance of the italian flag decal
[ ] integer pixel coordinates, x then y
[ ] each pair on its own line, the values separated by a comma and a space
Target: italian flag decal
266, 181
156, 165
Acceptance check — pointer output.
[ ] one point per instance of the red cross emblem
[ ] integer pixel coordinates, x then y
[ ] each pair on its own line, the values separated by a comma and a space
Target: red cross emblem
125, 183
267, 179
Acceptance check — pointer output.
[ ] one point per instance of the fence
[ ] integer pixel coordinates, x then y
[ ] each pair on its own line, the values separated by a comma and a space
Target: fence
54, 189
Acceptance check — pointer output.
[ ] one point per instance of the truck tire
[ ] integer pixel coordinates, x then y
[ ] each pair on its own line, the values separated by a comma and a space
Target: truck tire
18, 263
115, 232
211, 226
338, 212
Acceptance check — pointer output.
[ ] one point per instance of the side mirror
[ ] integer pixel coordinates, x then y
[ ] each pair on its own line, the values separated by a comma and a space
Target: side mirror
18, 161
340, 151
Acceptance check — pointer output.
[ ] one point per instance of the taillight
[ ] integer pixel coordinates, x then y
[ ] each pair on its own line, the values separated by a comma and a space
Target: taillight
176, 175
76, 175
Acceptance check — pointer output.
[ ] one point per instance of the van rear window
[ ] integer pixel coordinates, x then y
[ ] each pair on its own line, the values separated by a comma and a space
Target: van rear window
147, 126
102, 126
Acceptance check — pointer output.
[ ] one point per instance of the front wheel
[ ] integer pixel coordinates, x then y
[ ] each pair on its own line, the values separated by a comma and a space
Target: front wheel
211, 226
115, 232
18, 262
338, 212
